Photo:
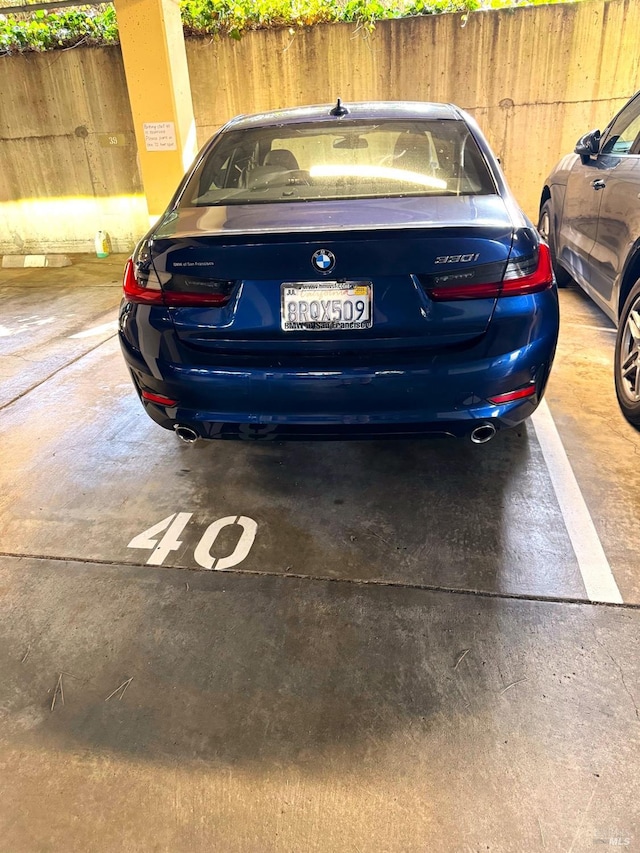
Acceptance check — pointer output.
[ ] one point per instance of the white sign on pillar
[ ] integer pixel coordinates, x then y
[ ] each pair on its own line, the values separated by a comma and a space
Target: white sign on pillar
160, 136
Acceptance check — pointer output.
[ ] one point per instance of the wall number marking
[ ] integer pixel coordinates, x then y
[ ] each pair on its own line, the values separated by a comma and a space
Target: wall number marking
172, 527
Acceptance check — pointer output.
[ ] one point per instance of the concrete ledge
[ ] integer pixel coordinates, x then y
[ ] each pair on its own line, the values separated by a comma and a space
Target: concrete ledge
19, 261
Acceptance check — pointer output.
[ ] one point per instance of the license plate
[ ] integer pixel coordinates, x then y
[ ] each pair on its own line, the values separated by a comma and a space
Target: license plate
326, 306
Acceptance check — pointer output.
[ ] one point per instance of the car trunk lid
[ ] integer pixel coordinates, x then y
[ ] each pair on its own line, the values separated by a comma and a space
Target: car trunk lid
390, 247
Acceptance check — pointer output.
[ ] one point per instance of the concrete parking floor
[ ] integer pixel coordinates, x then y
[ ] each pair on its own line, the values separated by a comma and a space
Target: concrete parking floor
405, 659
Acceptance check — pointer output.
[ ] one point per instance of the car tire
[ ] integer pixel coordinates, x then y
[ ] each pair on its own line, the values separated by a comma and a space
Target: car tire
627, 358
544, 227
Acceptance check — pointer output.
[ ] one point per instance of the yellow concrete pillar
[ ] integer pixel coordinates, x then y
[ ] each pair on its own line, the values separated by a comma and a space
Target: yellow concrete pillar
155, 64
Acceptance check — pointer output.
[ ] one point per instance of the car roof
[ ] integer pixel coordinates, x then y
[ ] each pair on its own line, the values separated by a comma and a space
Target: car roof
376, 110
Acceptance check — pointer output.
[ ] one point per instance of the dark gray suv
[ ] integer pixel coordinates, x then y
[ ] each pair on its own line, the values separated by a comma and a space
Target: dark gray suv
590, 216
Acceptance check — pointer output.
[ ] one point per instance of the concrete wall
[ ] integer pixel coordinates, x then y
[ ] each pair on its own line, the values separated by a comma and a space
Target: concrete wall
535, 78
67, 153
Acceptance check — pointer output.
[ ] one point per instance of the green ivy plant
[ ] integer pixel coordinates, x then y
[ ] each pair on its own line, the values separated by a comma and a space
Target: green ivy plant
98, 25
46, 30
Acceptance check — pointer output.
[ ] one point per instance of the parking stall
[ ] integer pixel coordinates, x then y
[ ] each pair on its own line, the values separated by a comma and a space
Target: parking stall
268, 645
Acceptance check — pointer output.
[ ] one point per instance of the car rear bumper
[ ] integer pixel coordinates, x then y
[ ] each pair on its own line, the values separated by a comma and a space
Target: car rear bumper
444, 392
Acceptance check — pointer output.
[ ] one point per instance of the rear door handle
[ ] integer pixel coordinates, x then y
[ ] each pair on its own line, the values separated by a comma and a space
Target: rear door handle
598, 184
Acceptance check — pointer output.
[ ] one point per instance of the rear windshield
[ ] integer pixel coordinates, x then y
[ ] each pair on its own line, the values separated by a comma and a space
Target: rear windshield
340, 161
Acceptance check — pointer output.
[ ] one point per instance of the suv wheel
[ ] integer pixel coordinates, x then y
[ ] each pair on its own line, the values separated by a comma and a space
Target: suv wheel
544, 227
627, 358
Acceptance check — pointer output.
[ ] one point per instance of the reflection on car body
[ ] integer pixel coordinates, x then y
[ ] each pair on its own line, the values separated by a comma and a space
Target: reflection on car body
590, 216
351, 272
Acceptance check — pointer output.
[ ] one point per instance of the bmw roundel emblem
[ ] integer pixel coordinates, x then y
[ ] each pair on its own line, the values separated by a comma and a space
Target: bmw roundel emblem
323, 260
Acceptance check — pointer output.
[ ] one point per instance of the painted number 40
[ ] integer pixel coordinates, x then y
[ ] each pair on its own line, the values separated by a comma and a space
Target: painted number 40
172, 527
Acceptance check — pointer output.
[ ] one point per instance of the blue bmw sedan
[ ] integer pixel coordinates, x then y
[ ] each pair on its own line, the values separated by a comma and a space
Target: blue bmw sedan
346, 271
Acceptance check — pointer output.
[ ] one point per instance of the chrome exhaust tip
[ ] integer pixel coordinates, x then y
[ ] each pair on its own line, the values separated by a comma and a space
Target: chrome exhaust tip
186, 434
483, 434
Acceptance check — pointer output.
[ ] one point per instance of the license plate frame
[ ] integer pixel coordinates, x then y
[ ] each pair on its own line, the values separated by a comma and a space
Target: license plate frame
330, 301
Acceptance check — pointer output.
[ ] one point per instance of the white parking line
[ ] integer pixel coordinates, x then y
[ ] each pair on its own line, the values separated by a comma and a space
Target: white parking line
111, 326
595, 328
594, 567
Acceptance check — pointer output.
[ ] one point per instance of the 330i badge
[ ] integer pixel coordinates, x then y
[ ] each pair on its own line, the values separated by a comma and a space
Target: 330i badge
341, 273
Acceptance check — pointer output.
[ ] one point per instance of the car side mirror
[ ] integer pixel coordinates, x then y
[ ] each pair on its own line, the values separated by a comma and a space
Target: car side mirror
588, 145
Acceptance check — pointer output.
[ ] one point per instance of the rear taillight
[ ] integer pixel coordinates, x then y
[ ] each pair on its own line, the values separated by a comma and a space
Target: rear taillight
141, 284
529, 275
140, 287
181, 290
521, 277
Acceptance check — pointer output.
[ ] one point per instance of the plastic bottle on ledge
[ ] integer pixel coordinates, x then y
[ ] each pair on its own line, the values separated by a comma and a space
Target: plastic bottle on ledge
102, 244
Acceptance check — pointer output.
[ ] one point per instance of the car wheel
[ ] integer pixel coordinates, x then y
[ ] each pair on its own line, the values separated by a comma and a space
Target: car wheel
627, 358
544, 227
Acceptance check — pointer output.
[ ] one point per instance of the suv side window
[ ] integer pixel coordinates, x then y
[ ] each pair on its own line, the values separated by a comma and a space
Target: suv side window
624, 132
